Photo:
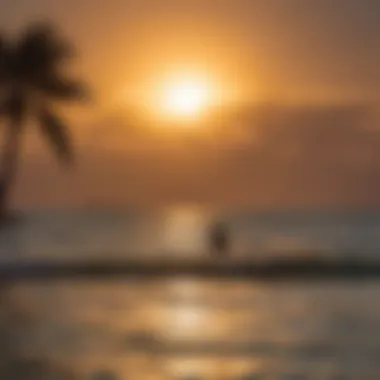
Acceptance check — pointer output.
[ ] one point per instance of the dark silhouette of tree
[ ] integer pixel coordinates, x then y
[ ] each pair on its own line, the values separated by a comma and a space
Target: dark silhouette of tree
31, 82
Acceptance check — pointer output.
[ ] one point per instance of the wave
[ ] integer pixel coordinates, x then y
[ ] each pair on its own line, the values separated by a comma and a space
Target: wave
153, 269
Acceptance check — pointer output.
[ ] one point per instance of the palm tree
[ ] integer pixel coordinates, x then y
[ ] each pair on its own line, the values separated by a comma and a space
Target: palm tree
31, 81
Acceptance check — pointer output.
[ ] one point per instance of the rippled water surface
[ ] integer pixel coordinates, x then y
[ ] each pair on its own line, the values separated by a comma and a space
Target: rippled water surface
185, 328
212, 330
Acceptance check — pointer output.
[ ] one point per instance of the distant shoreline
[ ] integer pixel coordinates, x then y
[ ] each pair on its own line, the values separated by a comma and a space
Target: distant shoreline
202, 269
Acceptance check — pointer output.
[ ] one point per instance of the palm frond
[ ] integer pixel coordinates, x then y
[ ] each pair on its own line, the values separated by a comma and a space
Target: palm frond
14, 107
63, 89
57, 134
40, 50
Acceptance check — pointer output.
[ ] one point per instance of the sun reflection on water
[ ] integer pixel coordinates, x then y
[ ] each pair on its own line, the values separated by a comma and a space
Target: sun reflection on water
186, 321
184, 230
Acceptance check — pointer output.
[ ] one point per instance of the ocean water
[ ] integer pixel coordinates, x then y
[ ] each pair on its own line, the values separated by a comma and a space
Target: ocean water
183, 232
187, 328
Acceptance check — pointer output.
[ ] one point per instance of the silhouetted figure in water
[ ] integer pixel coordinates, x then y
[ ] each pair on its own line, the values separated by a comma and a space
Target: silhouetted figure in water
219, 240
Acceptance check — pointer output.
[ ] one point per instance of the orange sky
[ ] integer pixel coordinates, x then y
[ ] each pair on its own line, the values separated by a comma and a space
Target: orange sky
287, 62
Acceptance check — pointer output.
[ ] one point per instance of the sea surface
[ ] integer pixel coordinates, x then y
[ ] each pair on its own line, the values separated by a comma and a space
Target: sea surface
183, 232
187, 328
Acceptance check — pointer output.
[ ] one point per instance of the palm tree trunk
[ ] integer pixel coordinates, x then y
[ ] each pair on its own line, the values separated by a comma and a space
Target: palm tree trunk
9, 165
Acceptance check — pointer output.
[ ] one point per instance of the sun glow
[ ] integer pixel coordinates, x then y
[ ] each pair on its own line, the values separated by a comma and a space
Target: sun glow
181, 98
186, 97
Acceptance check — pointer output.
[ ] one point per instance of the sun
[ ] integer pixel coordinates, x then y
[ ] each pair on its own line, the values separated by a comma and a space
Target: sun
185, 97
